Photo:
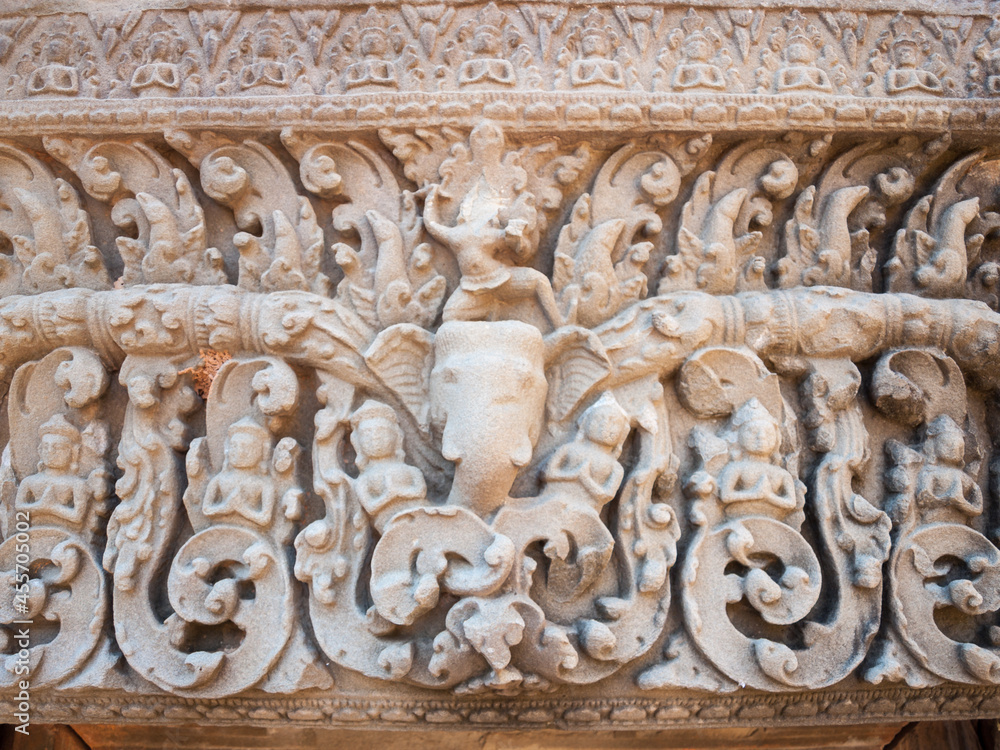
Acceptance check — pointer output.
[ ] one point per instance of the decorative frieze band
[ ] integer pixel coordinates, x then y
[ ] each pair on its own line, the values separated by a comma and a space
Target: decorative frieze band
814, 67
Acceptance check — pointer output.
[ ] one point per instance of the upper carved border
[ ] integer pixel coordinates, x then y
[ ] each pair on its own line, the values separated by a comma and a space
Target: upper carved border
616, 67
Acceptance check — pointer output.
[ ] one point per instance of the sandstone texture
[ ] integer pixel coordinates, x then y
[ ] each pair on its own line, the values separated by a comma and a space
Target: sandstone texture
500, 365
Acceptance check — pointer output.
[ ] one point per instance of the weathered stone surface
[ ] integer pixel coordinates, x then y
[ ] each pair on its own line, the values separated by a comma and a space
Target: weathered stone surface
486, 365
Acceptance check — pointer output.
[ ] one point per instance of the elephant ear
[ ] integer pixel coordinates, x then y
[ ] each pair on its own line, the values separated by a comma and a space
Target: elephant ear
401, 357
576, 363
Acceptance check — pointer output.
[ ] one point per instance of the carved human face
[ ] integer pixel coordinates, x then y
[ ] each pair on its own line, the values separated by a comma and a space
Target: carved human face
159, 47
375, 439
57, 50
594, 45
486, 42
758, 437
949, 445
606, 426
905, 56
56, 452
697, 49
374, 44
800, 54
268, 46
245, 451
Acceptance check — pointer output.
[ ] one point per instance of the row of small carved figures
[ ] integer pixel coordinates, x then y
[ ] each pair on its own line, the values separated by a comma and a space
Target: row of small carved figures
159, 53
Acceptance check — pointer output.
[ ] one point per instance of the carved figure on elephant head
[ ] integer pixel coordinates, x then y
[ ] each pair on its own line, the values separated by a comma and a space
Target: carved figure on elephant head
496, 217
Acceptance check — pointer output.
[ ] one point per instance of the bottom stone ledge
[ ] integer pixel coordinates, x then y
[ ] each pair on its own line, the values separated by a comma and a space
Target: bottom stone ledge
109, 737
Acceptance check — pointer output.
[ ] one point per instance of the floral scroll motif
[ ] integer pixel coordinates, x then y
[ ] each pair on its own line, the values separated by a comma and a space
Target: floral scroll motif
486, 413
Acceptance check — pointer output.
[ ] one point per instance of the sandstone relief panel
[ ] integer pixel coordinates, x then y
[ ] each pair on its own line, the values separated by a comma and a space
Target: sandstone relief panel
490, 363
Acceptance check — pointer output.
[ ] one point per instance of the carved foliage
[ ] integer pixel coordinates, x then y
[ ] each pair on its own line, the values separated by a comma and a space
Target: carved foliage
151, 198
250, 179
47, 231
749, 573
939, 561
55, 485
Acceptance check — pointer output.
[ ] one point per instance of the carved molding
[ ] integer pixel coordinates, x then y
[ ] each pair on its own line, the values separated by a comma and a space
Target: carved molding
529, 64
331, 405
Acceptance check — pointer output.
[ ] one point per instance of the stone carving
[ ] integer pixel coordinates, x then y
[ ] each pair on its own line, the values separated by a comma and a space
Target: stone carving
61, 63
797, 61
266, 60
715, 244
932, 255
46, 230
903, 63
500, 361
851, 29
986, 68
164, 64
488, 51
286, 255
58, 487
696, 61
939, 562
379, 57
593, 56
599, 270
152, 199
391, 278
747, 508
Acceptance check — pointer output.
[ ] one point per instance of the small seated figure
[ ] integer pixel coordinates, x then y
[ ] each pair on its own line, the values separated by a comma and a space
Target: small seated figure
159, 75
487, 64
696, 73
386, 485
754, 477
267, 69
595, 66
801, 72
373, 69
588, 467
57, 76
244, 487
905, 78
56, 489
943, 481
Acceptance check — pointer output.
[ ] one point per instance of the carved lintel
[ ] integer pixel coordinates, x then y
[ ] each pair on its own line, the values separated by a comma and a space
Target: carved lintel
583, 364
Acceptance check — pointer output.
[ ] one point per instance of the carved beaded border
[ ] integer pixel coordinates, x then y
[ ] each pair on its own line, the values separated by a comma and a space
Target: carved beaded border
637, 713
